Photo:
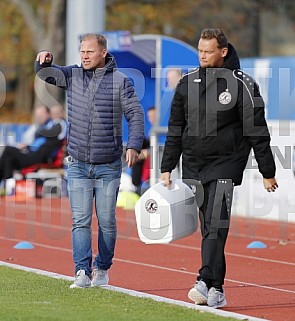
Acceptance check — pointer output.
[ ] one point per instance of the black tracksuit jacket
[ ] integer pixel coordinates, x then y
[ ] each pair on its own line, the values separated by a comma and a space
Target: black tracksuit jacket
217, 116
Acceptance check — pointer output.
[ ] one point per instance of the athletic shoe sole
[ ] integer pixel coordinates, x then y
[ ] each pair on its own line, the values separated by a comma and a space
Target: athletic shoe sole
219, 305
98, 286
74, 286
197, 297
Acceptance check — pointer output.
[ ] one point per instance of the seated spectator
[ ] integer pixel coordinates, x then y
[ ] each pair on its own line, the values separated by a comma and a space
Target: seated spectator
46, 143
58, 116
29, 135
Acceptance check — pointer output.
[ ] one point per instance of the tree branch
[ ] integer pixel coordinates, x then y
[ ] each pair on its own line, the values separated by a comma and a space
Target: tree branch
55, 31
33, 22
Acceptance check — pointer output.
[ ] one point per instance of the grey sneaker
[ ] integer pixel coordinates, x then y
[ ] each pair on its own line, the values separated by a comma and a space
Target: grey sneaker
100, 277
81, 280
216, 299
199, 293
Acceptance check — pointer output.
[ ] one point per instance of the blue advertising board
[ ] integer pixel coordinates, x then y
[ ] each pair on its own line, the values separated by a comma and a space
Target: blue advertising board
276, 79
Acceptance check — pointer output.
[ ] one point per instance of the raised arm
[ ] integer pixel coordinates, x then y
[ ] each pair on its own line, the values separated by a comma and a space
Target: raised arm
59, 76
44, 57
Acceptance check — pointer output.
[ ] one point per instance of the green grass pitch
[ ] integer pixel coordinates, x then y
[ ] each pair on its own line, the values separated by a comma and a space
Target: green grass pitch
30, 297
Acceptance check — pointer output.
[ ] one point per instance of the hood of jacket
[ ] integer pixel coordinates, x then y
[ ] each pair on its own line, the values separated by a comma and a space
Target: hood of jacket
110, 63
231, 61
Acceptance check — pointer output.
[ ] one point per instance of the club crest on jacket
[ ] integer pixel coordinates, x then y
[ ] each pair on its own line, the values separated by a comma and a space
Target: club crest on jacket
225, 97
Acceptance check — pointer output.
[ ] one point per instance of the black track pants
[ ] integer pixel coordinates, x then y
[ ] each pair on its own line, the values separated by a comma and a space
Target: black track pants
214, 218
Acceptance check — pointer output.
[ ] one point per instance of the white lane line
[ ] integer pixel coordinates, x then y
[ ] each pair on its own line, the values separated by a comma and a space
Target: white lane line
131, 219
193, 273
138, 294
163, 268
64, 207
38, 224
255, 236
46, 246
187, 247
236, 255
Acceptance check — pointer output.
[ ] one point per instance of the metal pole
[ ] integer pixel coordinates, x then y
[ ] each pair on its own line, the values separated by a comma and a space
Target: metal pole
154, 132
82, 17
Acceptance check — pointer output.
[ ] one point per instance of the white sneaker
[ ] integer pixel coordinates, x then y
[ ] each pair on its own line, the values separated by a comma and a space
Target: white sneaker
199, 293
100, 277
216, 299
81, 280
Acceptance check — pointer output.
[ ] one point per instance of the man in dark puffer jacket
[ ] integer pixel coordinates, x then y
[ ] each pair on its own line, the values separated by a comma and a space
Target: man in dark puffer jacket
217, 116
98, 95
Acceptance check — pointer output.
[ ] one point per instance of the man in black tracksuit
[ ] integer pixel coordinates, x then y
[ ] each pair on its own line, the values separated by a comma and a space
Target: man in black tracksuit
217, 116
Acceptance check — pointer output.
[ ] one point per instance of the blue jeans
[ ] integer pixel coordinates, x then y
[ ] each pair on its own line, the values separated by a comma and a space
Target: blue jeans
88, 182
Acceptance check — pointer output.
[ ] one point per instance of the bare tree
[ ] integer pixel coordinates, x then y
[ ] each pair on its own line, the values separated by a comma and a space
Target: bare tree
47, 29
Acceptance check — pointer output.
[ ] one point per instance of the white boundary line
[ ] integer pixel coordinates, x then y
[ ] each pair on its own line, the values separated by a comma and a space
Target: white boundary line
138, 294
57, 248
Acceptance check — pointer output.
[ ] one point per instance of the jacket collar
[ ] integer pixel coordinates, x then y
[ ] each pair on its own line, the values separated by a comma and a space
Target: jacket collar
110, 66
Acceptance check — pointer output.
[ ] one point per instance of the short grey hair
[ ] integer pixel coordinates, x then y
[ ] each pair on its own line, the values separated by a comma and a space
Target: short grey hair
101, 39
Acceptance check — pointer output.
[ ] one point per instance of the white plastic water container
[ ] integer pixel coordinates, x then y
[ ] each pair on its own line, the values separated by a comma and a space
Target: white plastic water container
164, 215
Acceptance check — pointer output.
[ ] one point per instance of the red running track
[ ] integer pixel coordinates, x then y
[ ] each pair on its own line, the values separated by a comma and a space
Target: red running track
259, 282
